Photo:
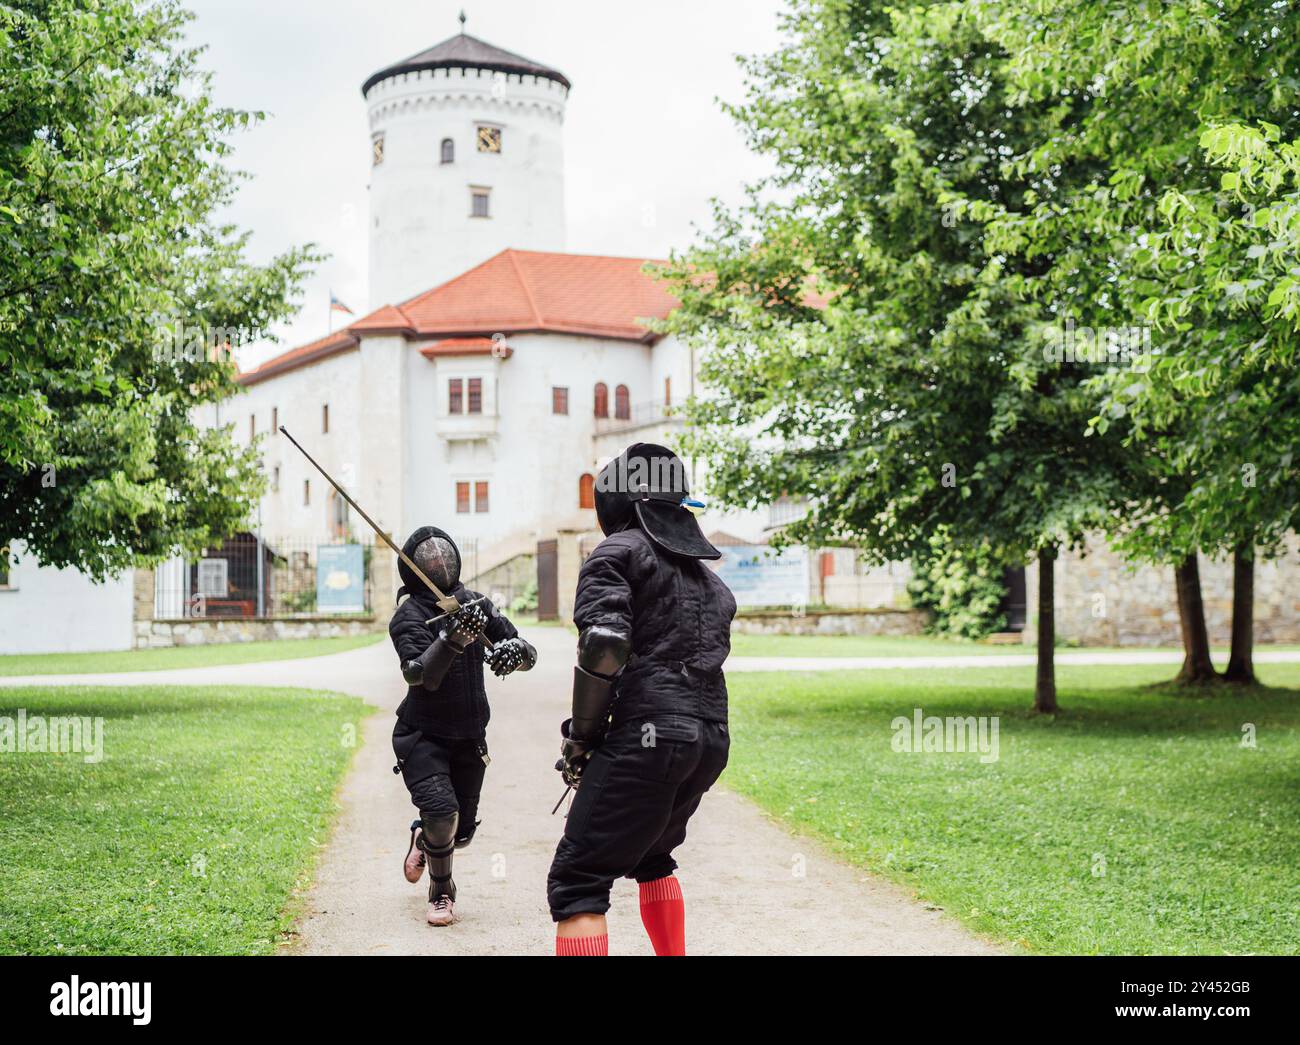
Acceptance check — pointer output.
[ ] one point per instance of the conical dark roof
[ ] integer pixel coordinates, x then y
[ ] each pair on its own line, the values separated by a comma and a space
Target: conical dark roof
463, 51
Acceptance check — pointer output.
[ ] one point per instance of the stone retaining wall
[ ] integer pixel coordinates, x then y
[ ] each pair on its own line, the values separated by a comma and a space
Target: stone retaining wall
831, 622
1102, 601
153, 634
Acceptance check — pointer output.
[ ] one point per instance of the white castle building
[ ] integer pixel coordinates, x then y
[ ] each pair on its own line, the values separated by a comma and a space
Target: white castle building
494, 374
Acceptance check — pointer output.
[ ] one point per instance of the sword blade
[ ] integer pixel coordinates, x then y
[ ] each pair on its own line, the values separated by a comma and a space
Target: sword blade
446, 603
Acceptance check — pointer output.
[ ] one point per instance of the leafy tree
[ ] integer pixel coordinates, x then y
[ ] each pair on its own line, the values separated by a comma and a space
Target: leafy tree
120, 289
962, 588
862, 348
1227, 285
1151, 237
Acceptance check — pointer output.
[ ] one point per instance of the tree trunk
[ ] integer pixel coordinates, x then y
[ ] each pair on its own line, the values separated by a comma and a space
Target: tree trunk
1045, 680
1241, 662
1197, 666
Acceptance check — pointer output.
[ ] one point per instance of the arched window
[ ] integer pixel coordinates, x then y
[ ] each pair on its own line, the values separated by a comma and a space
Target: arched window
448, 150
586, 490
602, 399
622, 405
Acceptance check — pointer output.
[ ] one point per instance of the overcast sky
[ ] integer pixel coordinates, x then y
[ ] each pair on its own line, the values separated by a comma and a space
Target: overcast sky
646, 144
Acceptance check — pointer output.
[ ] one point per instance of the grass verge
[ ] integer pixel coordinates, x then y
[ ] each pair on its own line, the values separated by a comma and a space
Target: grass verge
1134, 822
208, 808
178, 656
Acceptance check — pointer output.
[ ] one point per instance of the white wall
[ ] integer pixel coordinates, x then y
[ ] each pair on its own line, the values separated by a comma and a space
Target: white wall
534, 458
57, 611
296, 398
421, 231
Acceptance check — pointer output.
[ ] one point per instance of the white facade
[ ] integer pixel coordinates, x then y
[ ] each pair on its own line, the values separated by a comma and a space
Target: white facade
423, 230
46, 610
400, 451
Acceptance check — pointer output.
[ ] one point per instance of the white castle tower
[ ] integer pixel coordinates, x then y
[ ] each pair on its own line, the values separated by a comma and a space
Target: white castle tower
467, 159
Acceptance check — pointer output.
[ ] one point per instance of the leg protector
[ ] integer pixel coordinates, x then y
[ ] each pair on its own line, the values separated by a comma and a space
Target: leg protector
438, 840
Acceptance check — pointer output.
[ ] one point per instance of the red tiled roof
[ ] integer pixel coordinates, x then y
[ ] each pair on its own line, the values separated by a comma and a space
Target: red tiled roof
514, 292
524, 290
465, 346
388, 319
312, 352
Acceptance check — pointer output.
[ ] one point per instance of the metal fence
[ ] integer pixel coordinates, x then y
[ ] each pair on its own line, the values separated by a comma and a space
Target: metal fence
250, 575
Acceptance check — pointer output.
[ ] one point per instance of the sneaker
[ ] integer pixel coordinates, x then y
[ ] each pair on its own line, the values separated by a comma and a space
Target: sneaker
442, 910
413, 866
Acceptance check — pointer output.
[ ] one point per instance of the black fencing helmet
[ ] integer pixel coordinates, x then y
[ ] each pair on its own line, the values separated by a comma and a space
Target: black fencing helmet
436, 554
646, 486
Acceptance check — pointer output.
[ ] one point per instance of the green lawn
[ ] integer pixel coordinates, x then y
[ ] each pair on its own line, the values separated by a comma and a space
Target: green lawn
1197, 834
189, 837
860, 646
177, 656
906, 646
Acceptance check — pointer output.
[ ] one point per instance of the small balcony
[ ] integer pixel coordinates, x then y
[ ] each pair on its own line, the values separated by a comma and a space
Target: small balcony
466, 427
641, 415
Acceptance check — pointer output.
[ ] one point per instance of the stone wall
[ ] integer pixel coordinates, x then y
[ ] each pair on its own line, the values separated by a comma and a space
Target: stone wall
152, 634
1102, 601
830, 622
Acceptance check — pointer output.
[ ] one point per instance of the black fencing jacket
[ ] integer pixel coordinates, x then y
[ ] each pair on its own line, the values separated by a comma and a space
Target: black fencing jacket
458, 708
678, 613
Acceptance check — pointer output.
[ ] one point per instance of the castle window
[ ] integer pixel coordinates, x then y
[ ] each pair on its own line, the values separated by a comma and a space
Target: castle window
325, 418
559, 400
462, 498
602, 399
377, 150
448, 151
275, 419
586, 490
474, 403
668, 391
275, 480
455, 394
479, 200
306, 491
622, 404
252, 427
480, 497
489, 139
338, 515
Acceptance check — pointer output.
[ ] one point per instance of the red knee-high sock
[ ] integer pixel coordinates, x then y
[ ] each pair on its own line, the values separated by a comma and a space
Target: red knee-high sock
582, 946
663, 913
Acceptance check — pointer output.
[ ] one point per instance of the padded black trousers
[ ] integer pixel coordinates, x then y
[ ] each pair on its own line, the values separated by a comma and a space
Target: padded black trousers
444, 776
638, 791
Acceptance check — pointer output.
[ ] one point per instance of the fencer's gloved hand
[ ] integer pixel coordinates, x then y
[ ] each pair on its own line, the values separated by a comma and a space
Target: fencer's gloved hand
510, 655
464, 626
575, 753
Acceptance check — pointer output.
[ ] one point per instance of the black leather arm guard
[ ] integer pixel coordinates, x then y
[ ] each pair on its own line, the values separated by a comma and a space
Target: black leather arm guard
602, 652
431, 666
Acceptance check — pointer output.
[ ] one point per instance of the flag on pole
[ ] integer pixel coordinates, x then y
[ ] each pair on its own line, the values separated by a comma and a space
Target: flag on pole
337, 306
